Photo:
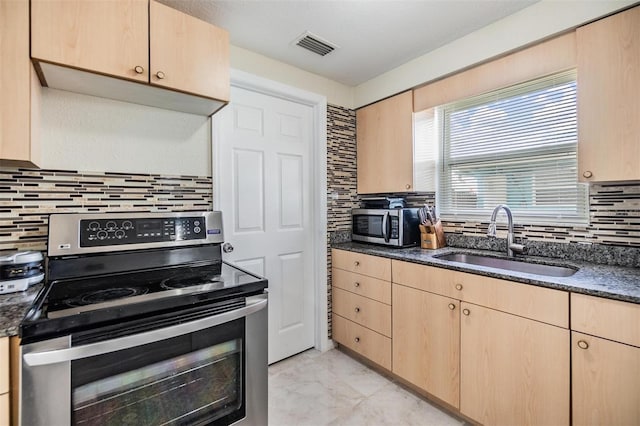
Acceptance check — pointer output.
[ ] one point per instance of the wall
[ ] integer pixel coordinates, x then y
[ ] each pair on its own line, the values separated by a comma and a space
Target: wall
27, 198
99, 134
254, 63
539, 21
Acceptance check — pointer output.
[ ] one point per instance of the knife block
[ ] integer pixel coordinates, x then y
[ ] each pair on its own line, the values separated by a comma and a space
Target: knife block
432, 237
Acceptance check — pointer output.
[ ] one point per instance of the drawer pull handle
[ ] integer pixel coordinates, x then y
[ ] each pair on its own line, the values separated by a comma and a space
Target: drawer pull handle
356, 263
582, 344
452, 306
357, 340
138, 69
357, 284
466, 312
458, 286
357, 310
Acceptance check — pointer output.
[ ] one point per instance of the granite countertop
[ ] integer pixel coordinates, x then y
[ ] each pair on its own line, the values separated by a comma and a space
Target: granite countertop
13, 307
612, 282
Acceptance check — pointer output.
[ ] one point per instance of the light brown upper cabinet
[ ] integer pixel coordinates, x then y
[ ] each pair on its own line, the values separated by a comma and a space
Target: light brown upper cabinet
188, 54
107, 48
608, 101
107, 37
19, 89
384, 136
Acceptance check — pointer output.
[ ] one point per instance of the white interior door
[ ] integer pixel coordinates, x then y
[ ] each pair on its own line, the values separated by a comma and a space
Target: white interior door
265, 194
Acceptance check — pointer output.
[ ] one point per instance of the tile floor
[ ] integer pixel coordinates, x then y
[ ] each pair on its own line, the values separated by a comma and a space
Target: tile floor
331, 388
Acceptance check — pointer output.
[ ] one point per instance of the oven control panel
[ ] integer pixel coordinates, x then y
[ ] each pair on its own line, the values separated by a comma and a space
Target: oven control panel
107, 232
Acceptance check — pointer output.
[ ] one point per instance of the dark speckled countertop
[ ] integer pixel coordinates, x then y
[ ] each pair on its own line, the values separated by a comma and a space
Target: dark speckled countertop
613, 282
13, 306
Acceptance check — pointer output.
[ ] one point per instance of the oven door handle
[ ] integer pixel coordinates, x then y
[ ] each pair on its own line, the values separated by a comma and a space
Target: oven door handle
385, 227
254, 304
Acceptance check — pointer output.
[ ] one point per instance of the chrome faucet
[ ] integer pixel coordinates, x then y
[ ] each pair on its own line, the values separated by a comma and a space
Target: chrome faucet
491, 231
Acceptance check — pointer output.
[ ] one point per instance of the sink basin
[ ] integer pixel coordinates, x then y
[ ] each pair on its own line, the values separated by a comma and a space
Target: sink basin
509, 265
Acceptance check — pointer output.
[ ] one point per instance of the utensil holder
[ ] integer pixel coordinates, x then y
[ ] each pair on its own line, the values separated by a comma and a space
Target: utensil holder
432, 237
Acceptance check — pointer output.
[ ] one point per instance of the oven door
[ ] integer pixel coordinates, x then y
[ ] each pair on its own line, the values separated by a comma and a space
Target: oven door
209, 371
376, 226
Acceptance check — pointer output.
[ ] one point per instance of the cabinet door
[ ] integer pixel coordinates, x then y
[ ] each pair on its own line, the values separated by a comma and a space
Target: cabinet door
188, 54
608, 101
426, 342
605, 381
104, 36
384, 136
514, 371
15, 84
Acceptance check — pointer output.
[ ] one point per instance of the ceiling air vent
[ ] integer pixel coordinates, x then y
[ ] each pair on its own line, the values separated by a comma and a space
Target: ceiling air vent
315, 44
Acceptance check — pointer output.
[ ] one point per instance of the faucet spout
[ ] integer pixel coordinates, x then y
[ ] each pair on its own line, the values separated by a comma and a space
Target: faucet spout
491, 231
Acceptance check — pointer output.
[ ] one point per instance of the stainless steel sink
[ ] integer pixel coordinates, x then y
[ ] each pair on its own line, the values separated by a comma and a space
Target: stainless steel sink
509, 265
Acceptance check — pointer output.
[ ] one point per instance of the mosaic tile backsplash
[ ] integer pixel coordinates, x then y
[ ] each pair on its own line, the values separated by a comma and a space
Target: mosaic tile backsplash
27, 197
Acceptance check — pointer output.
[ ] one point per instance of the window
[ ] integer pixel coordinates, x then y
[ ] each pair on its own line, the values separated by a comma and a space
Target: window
516, 146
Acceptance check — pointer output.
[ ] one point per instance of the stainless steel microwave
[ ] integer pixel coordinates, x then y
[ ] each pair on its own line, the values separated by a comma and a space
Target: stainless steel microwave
390, 227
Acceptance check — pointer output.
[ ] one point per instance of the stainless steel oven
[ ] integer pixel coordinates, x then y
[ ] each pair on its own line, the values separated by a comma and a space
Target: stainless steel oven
178, 338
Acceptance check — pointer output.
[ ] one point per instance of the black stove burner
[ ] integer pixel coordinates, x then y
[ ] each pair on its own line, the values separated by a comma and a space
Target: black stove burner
177, 283
105, 295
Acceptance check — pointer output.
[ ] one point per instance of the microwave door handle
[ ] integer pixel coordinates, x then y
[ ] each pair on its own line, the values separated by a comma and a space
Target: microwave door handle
385, 227
254, 304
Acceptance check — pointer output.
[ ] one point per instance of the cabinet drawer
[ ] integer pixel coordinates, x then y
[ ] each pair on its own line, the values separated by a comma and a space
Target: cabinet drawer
4, 409
364, 311
4, 365
422, 277
611, 319
537, 303
363, 285
367, 343
372, 266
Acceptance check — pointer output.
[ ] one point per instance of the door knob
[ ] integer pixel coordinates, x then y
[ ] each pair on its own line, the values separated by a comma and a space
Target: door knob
466, 311
458, 286
582, 344
160, 75
452, 306
138, 69
227, 248
587, 174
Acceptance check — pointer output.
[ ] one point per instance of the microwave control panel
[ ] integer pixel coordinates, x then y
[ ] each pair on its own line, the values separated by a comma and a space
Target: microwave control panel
108, 232
395, 232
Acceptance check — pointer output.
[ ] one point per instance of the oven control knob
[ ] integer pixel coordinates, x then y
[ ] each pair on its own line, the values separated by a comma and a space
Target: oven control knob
196, 230
227, 248
119, 234
94, 226
127, 224
111, 226
101, 235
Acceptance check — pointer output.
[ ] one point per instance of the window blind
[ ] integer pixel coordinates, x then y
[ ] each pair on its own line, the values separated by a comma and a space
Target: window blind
516, 146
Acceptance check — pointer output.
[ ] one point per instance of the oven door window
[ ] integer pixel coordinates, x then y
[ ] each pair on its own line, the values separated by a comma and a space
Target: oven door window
187, 380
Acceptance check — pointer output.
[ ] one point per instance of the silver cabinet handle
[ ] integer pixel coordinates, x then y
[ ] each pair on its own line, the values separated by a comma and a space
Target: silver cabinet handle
356, 263
357, 310
121, 343
466, 311
587, 174
356, 284
160, 75
458, 286
583, 344
357, 340
452, 306
138, 69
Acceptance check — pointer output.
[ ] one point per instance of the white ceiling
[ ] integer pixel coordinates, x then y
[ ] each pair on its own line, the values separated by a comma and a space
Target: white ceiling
374, 36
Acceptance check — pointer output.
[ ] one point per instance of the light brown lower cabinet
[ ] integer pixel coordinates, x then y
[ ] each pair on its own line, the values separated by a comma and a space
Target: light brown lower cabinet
513, 370
606, 381
426, 341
